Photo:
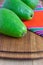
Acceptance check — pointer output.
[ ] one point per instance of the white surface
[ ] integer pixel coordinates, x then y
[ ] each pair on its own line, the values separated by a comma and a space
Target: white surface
21, 62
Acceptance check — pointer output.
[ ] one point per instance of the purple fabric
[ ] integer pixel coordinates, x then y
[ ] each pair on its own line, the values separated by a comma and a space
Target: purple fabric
0, 5
39, 33
39, 6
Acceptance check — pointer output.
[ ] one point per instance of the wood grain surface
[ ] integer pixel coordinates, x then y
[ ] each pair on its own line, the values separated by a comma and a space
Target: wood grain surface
29, 47
29, 43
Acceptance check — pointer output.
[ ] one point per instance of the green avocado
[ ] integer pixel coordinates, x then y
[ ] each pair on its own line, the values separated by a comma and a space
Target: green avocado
20, 8
31, 3
10, 24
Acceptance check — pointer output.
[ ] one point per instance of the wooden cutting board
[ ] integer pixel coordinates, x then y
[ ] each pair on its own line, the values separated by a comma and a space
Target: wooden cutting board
27, 47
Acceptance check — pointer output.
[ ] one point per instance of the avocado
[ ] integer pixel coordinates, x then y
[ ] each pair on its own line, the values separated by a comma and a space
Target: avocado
31, 3
10, 24
20, 8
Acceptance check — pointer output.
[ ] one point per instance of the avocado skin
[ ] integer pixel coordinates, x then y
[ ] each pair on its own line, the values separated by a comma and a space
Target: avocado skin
20, 8
10, 24
31, 3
